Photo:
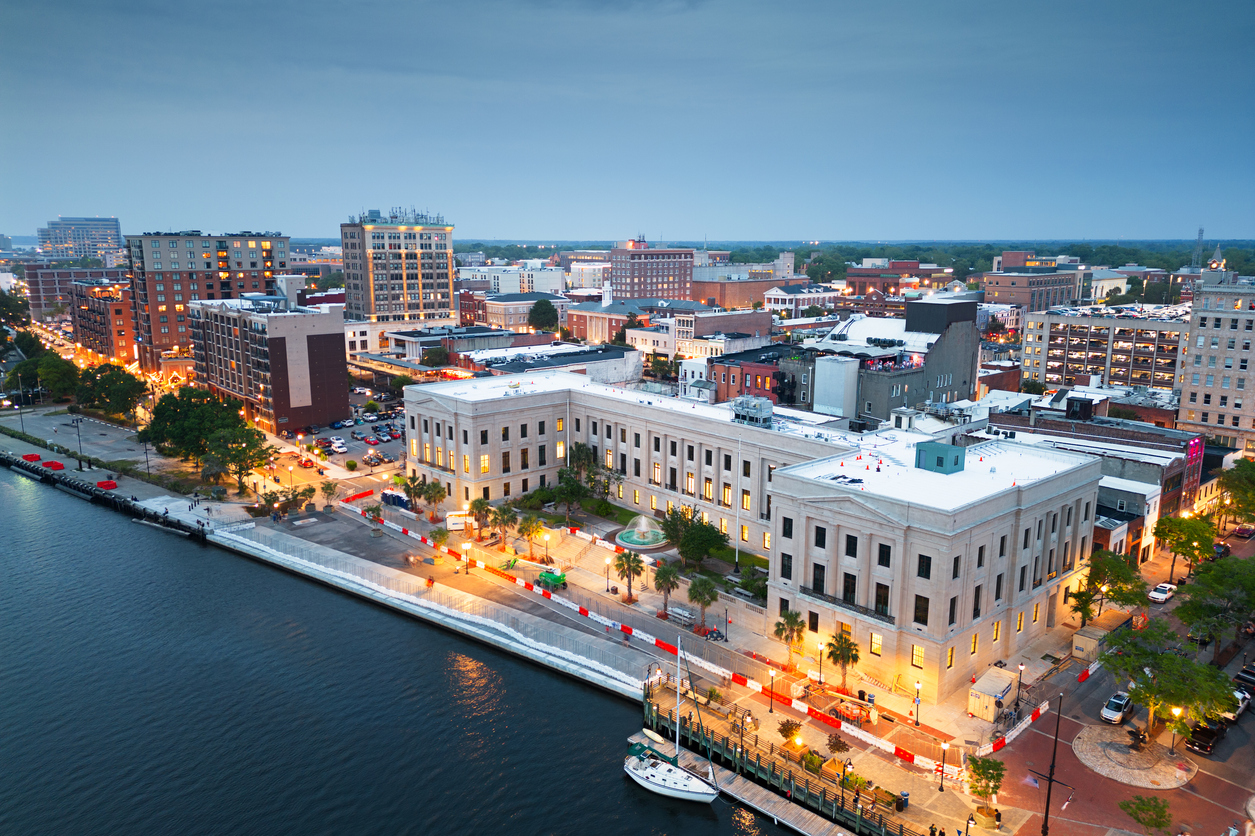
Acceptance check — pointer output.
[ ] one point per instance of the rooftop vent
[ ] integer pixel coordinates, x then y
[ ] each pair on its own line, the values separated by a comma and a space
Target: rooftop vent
939, 457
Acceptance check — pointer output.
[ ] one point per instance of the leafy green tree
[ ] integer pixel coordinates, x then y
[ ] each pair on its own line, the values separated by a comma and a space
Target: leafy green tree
374, 513
401, 381
666, 581
788, 730
1150, 812
569, 490
439, 536
789, 630
436, 356
531, 527
1032, 387
703, 593
699, 541
212, 470
543, 316
329, 491
985, 779
434, 494
837, 745
503, 519
29, 345
56, 374
184, 421
480, 509
1221, 596
812, 311
370, 406
581, 460
1190, 537
1238, 483
843, 651
628, 565
1113, 577
240, 449
111, 388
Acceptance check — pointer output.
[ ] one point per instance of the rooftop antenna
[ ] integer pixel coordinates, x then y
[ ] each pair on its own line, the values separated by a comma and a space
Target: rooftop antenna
1197, 260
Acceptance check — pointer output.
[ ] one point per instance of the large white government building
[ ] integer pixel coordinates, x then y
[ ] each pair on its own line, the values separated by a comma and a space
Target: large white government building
938, 560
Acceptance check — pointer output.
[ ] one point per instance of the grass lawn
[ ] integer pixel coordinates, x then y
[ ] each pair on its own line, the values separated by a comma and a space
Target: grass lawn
622, 515
728, 555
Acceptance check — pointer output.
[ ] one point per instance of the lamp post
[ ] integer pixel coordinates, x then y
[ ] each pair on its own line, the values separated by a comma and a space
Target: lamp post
147, 466
971, 820
77, 422
1050, 780
607, 574
918, 685
820, 643
546, 548
771, 695
21, 393
1019, 685
1176, 715
1103, 589
291, 478
466, 556
945, 747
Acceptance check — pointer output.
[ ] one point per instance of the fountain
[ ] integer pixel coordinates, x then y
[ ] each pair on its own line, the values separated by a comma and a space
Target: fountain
642, 532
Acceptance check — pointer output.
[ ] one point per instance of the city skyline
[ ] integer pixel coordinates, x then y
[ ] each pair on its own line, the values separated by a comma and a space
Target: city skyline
588, 121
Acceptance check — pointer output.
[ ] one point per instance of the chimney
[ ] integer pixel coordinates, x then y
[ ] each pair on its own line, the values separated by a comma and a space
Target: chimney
606, 296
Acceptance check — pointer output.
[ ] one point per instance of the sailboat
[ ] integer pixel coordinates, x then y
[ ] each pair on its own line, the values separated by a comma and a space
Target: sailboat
662, 773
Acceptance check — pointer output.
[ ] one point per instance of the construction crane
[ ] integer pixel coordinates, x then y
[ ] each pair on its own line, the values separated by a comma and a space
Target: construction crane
1197, 260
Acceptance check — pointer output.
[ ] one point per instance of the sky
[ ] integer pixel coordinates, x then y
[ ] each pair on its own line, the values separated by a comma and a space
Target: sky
604, 119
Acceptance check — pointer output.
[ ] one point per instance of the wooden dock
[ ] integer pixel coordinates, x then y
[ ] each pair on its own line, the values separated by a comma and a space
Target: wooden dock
760, 799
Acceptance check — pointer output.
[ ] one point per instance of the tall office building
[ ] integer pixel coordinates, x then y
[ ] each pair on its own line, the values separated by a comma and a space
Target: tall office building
75, 238
639, 272
398, 266
170, 269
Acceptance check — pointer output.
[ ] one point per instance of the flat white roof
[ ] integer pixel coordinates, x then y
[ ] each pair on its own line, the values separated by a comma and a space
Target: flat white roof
1097, 447
1129, 486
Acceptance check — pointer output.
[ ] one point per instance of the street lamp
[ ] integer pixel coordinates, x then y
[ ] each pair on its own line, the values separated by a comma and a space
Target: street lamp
971, 820
1176, 715
77, 422
820, 643
607, 574
1018, 686
944, 748
1103, 589
546, 548
771, 695
466, 556
917, 690
291, 483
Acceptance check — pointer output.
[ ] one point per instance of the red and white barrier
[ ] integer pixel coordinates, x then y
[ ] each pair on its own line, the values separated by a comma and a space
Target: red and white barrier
1088, 672
1015, 732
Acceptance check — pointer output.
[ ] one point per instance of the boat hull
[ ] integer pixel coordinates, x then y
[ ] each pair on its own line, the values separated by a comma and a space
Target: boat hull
668, 780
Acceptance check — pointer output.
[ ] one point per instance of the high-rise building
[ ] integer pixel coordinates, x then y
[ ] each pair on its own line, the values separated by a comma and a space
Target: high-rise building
75, 238
398, 266
1104, 349
285, 362
171, 269
49, 288
101, 313
639, 272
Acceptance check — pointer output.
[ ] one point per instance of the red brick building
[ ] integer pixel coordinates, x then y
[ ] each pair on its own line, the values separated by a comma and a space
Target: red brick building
639, 272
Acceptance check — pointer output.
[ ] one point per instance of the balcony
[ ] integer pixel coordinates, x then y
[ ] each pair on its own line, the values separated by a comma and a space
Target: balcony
846, 605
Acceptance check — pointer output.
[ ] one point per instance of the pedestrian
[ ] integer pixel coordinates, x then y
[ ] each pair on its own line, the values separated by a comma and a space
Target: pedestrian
932, 830
941, 831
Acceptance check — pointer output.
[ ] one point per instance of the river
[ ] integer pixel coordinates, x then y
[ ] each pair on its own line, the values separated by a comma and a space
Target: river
153, 685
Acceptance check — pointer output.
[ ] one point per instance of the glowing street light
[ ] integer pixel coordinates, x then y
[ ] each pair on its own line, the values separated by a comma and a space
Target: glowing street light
1176, 715
945, 747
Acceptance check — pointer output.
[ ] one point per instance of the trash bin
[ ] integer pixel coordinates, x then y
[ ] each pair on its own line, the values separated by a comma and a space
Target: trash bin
862, 695
904, 801
871, 698
899, 805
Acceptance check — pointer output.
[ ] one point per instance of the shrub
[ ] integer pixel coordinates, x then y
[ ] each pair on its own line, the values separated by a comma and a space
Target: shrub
788, 729
837, 745
812, 762
350, 465
603, 508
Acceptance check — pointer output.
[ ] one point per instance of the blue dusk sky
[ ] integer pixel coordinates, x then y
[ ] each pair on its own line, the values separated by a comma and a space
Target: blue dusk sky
584, 119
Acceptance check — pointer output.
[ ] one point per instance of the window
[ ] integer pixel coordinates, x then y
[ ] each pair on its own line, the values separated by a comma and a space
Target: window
974, 640
577, 426
976, 603
559, 425
657, 480
1002, 546
812, 622
786, 528
874, 644
851, 545
745, 534
917, 656
786, 566
817, 577
849, 588
921, 610
505, 433
784, 605
954, 570
540, 427
540, 456
483, 436
882, 598
954, 611
821, 537
1019, 623
1028, 532
1023, 574
673, 448
998, 587
745, 500
997, 630
885, 552
1036, 609
766, 539
924, 569
950, 658
523, 459
561, 451
1085, 517
483, 463
505, 461
709, 458
657, 444
708, 486
745, 468
466, 464
727, 462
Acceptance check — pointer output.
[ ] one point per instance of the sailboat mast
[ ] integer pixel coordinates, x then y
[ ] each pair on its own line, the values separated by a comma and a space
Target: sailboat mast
678, 650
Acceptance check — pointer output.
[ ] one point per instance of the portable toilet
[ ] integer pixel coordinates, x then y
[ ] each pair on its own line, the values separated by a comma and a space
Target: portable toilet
988, 695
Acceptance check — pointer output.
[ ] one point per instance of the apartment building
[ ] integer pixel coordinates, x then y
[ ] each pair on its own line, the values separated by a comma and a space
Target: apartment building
503, 436
638, 271
75, 238
1215, 365
398, 266
285, 362
510, 311
100, 311
50, 288
169, 270
1108, 348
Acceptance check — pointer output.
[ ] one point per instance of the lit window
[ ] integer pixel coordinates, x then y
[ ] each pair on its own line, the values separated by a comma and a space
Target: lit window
561, 448
745, 534
559, 425
974, 639
1019, 623
466, 464
653, 502
997, 630
723, 525
766, 539
636, 497
917, 656
483, 463
727, 495
745, 500
620, 491
657, 473
427, 453
874, 645
950, 658
609, 458
1036, 607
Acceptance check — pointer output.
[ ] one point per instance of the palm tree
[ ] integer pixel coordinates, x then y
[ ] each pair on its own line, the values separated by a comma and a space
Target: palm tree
413, 488
480, 509
789, 629
434, 494
530, 528
666, 581
628, 565
843, 651
703, 593
503, 518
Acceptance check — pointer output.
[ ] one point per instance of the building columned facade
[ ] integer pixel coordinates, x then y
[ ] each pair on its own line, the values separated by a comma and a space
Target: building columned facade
398, 266
286, 363
169, 270
937, 560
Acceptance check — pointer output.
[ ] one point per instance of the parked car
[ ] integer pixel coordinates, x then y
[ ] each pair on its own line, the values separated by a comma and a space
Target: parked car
1119, 707
359, 390
1161, 593
335, 439
1244, 699
314, 429
387, 458
394, 435
322, 442
1245, 679
1204, 736
1246, 531
307, 463
370, 417
371, 440
339, 448
357, 435
286, 434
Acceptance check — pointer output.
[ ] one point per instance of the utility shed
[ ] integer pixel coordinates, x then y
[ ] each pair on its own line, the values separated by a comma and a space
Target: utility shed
1091, 640
988, 694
